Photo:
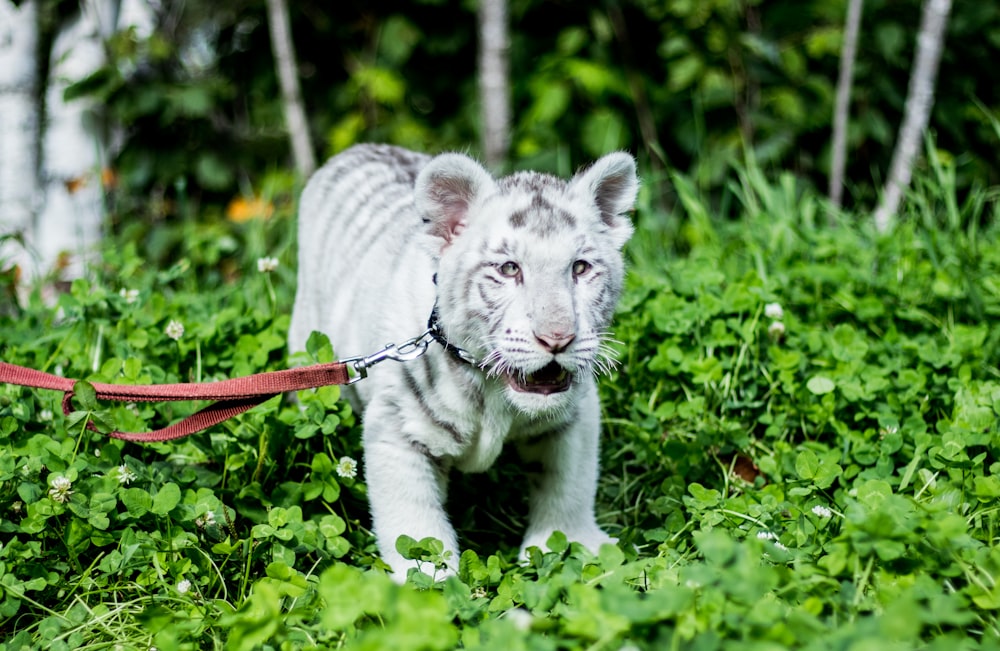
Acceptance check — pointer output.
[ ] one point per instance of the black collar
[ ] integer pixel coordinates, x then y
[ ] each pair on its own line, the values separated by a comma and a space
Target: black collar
435, 331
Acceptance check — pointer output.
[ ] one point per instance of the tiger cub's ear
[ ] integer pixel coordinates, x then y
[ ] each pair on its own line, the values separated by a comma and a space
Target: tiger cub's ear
611, 183
446, 189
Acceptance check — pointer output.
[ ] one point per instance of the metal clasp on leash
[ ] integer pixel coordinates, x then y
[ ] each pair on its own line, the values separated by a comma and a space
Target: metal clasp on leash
408, 350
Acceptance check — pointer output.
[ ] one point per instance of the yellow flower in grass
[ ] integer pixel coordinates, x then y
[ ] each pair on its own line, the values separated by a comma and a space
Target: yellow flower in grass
242, 209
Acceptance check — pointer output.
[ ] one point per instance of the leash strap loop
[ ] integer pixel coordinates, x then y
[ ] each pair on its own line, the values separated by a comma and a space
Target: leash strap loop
233, 396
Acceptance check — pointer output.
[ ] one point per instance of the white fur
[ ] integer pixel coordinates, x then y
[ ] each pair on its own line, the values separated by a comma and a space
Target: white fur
366, 278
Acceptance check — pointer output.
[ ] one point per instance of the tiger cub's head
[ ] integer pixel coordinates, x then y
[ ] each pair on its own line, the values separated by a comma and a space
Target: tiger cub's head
529, 269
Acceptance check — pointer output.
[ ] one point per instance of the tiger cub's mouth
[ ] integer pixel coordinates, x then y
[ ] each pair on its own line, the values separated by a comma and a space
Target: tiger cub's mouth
551, 378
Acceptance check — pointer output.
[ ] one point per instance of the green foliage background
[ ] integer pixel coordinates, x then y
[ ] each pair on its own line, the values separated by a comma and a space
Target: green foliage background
714, 82
826, 483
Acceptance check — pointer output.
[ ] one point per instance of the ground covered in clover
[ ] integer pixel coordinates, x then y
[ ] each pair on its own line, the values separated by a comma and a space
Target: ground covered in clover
801, 450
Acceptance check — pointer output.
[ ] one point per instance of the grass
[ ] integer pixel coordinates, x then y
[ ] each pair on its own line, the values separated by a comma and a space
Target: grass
801, 450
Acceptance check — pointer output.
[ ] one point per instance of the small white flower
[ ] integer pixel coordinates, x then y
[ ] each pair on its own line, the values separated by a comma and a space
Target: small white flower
821, 511
479, 593
183, 586
347, 468
767, 535
125, 475
175, 330
206, 520
60, 490
130, 295
45, 415
520, 618
774, 311
17, 506
267, 265
776, 330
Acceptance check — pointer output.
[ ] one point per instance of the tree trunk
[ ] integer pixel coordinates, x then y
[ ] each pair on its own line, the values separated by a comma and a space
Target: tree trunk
494, 80
288, 76
19, 191
843, 102
74, 145
51, 167
919, 99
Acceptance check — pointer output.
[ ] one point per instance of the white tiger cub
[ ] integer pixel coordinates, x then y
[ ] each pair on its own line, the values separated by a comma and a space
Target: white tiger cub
522, 273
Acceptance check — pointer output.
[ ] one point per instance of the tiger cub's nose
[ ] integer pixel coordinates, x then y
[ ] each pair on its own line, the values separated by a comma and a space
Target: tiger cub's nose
555, 342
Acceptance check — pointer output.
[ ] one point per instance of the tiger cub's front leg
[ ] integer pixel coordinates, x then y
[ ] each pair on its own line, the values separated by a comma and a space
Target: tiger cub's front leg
564, 487
407, 490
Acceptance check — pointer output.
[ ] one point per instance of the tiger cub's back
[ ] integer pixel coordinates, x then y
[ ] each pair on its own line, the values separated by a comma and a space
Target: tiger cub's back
358, 230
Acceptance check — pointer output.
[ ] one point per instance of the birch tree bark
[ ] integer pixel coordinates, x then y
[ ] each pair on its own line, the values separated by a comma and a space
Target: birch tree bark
74, 151
919, 99
19, 191
291, 94
494, 80
842, 103
51, 163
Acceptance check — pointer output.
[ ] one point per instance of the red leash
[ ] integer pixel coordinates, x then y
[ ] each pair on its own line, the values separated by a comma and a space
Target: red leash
234, 396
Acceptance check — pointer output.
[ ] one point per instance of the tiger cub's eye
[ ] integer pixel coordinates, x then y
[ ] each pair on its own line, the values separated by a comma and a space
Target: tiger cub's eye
580, 267
509, 269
